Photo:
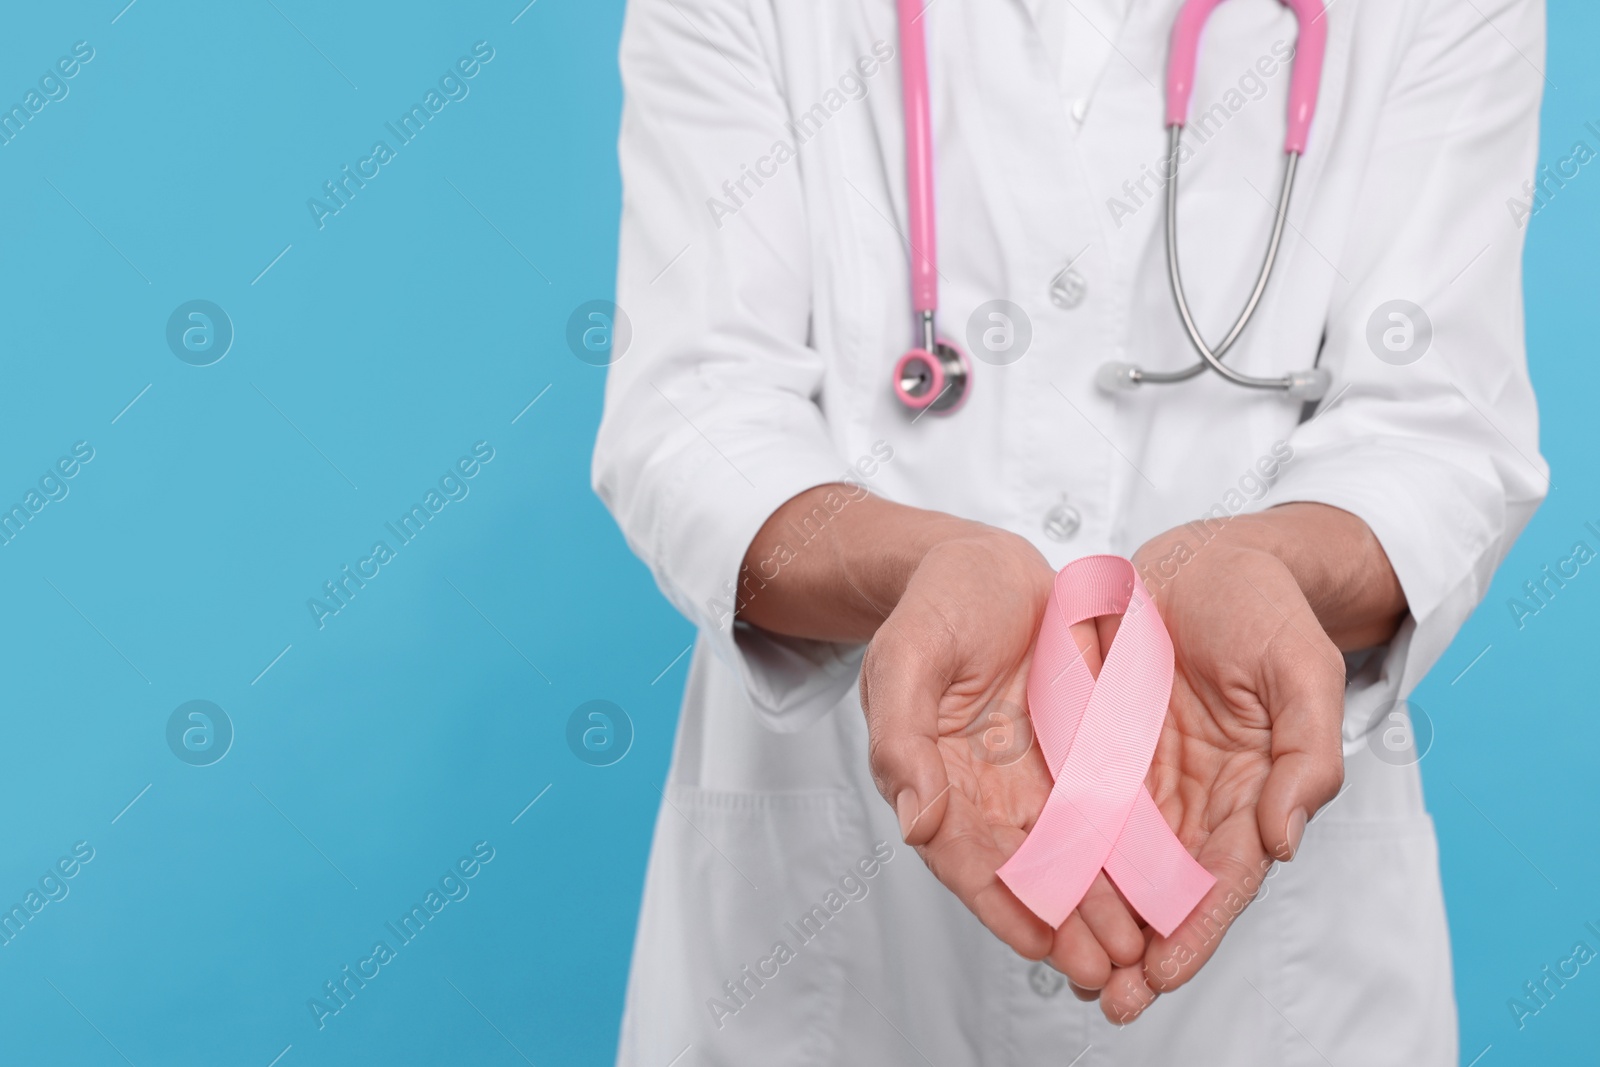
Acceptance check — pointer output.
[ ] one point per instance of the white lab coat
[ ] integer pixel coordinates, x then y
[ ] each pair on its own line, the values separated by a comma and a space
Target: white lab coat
765, 323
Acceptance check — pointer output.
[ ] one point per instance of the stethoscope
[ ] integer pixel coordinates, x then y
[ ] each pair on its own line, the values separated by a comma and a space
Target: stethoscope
936, 375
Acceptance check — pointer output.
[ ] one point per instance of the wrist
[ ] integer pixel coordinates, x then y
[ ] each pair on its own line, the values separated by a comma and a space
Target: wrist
1278, 532
1333, 557
833, 561
1004, 558
912, 537
1201, 554
1329, 552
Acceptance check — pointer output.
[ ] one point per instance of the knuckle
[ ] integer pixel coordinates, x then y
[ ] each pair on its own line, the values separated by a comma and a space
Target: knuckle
1237, 874
1088, 969
1336, 771
880, 762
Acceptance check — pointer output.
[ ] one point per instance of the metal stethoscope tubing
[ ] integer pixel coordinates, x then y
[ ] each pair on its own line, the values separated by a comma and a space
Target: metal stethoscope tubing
936, 375
1309, 384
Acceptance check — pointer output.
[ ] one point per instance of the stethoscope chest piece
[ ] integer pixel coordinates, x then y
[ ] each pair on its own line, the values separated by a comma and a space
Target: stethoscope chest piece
932, 381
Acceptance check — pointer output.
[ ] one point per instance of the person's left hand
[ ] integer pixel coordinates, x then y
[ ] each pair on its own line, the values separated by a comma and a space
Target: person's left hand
1251, 748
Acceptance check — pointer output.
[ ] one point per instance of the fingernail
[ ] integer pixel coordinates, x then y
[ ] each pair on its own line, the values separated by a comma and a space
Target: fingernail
1297, 830
905, 809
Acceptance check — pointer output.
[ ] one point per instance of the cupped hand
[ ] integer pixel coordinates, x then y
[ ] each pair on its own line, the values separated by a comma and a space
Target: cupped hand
944, 687
1251, 747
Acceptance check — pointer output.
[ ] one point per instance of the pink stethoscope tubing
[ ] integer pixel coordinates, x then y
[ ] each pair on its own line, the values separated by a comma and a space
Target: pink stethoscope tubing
936, 375
919, 158
933, 376
1184, 51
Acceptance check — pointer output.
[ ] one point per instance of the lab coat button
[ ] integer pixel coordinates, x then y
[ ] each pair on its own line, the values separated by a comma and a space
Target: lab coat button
1045, 980
1067, 289
1062, 522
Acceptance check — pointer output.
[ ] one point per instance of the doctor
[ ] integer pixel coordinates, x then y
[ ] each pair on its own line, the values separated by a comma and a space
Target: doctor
853, 761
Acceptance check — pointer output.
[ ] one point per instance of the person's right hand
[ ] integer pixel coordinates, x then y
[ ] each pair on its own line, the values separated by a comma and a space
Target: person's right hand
944, 687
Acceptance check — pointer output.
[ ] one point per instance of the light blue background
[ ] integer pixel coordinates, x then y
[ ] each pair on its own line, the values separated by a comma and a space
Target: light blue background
372, 753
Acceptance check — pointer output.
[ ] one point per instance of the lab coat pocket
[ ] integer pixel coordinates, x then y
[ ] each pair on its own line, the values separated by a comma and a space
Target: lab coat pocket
1366, 953
731, 956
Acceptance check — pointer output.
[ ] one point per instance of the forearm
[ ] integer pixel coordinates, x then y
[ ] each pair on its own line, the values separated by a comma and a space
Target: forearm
832, 562
1338, 563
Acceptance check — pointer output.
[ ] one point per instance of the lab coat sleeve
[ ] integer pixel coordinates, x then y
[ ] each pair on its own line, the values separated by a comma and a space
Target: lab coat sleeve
1439, 456
712, 419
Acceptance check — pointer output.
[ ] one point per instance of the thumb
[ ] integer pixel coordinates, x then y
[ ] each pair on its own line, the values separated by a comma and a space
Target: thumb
900, 692
1305, 698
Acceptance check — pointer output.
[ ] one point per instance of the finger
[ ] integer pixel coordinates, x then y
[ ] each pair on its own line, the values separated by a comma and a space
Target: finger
1089, 637
1304, 694
1126, 995
900, 691
1085, 995
1077, 954
1107, 916
1106, 627
1234, 855
964, 856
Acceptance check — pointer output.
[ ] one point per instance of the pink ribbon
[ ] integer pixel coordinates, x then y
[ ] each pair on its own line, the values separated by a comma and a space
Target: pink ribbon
1098, 737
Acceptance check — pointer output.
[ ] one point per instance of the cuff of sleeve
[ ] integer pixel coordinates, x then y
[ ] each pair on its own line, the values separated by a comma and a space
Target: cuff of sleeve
791, 682
1431, 517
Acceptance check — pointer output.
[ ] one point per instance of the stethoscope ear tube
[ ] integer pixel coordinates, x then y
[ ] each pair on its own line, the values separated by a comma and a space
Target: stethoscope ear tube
1311, 42
919, 158
936, 376
1306, 76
